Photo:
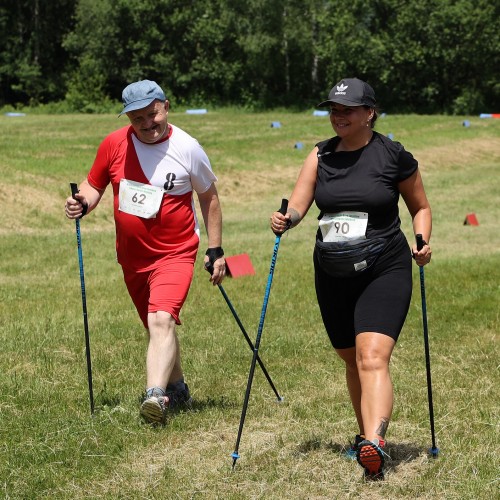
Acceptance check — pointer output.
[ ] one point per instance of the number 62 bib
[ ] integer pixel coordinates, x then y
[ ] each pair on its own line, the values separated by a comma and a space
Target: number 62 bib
139, 199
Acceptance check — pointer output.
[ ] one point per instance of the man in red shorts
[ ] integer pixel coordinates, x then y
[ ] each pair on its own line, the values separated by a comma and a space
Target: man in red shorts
153, 168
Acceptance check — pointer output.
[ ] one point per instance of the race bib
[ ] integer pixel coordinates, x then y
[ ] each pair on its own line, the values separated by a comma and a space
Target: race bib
139, 199
344, 226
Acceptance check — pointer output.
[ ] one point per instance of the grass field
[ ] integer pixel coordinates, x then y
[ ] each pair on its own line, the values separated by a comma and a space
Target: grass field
50, 447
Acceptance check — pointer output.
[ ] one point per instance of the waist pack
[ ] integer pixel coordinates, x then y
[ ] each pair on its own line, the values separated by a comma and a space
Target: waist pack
348, 259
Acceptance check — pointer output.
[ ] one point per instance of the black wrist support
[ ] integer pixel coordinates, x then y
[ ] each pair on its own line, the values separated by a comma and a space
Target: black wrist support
213, 254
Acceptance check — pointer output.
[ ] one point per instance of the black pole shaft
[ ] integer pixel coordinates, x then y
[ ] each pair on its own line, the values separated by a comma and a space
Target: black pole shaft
434, 449
427, 357
74, 190
249, 342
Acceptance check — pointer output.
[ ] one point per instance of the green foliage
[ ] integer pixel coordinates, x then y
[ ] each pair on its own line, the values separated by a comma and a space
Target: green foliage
432, 56
32, 57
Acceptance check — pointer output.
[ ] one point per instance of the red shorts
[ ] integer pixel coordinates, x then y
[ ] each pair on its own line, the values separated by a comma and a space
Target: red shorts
162, 289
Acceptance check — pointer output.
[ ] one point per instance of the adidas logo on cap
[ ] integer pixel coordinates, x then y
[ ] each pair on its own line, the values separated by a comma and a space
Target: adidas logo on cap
341, 89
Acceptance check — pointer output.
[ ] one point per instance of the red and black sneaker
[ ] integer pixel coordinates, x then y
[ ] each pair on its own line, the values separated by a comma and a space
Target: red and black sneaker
351, 452
371, 457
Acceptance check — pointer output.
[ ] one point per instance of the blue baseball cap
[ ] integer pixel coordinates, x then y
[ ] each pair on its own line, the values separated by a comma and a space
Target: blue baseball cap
140, 94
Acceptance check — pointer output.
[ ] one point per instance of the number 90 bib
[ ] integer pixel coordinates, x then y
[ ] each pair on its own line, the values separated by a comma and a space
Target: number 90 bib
343, 226
139, 199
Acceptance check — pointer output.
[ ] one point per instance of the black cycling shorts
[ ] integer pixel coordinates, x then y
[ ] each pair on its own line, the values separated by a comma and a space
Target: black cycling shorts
376, 301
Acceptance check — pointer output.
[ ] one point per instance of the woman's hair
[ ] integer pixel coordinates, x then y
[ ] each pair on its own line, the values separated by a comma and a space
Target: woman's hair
375, 115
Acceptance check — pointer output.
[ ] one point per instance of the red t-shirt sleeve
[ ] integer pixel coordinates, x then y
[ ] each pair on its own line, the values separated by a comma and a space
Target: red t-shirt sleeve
99, 173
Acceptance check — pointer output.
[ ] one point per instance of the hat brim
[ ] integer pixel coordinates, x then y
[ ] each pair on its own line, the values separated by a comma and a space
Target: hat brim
134, 106
339, 100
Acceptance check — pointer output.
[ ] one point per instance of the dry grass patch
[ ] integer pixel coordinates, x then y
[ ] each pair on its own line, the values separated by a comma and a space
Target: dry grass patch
465, 153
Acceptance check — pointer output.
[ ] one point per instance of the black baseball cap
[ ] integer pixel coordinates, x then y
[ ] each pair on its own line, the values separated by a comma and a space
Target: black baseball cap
350, 92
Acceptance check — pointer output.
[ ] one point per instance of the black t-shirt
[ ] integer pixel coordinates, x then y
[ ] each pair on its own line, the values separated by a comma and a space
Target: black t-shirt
365, 180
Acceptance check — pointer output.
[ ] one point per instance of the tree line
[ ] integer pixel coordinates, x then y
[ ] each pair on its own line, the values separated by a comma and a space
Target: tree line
430, 56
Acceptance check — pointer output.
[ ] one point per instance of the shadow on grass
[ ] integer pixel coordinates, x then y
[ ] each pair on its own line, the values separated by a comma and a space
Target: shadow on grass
105, 401
116, 407
398, 452
209, 403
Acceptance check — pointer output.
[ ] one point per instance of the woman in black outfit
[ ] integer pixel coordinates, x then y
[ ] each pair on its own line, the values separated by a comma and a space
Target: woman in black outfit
362, 259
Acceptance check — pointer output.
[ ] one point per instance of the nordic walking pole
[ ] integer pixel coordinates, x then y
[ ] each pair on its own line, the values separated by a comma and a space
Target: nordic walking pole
434, 450
74, 190
261, 364
209, 267
235, 455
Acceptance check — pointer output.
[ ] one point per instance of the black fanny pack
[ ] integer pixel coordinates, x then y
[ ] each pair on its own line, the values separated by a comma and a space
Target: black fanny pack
347, 259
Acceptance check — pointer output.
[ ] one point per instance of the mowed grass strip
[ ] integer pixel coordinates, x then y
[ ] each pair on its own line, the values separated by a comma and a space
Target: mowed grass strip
50, 447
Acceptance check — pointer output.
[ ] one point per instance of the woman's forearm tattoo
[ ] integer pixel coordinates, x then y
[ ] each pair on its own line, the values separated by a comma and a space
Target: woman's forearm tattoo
295, 216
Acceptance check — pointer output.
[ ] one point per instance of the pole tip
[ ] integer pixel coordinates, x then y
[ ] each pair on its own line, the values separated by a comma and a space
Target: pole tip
434, 451
235, 457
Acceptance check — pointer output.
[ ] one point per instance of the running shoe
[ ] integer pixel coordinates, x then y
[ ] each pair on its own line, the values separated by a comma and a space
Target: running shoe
353, 448
371, 457
154, 409
156, 405
179, 400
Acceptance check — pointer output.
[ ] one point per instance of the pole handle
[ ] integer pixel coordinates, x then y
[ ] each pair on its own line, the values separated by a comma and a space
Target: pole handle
282, 211
420, 241
74, 189
284, 206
